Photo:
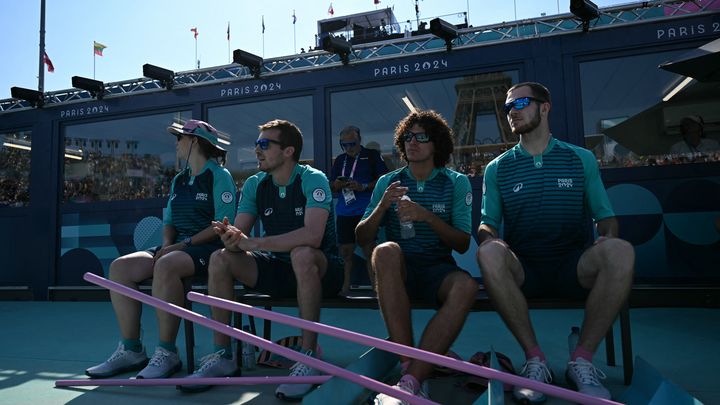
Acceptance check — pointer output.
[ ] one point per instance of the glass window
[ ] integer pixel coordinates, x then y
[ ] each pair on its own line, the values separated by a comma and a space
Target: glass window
15, 168
123, 159
472, 106
241, 121
635, 114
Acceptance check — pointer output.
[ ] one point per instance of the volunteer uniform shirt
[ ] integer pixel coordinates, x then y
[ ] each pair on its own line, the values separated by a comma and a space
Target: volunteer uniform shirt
546, 201
446, 193
281, 209
197, 200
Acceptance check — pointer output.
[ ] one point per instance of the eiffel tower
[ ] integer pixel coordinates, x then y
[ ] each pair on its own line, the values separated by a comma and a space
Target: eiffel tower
482, 94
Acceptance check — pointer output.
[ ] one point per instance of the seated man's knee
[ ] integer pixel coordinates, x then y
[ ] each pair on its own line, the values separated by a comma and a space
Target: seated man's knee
492, 257
464, 289
219, 264
118, 269
303, 260
386, 251
618, 256
165, 269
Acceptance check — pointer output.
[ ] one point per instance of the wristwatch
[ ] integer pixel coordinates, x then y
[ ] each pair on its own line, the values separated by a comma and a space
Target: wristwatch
187, 241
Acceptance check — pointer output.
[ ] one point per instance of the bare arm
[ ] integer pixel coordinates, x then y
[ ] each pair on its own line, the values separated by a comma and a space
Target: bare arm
366, 231
311, 234
608, 228
486, 232
449, 235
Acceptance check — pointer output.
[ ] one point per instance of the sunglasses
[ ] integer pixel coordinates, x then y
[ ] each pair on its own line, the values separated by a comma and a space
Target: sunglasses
264, 143
347, 145
421, 137
520, 103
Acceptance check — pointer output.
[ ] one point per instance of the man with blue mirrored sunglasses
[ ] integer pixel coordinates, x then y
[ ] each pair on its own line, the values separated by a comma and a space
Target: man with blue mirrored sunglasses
353, 177
544, 192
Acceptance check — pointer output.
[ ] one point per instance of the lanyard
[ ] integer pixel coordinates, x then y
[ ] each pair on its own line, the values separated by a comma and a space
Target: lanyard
352, 171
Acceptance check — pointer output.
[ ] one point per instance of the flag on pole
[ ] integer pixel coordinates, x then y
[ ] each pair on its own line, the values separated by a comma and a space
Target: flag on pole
195, 31
263, 24
376, 1
228, 31
98, 48
48, 62
294, 17
330, 10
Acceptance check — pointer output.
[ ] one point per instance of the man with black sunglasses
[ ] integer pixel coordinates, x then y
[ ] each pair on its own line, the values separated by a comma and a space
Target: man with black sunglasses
422, 267
353, 177
545, 193
295, 257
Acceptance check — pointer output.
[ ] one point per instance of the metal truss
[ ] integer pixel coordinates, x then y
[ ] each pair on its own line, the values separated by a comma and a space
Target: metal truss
468, 37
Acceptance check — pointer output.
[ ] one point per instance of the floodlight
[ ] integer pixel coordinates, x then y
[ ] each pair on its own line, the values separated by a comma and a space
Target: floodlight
96, 88
443, 30
165, 76
249, 60
337, 46
585, 10
34, 97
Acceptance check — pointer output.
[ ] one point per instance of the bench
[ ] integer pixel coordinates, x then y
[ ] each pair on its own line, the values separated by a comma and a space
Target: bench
367, 300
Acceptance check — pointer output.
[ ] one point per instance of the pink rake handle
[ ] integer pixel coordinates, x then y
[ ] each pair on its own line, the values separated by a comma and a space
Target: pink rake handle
195, 381
393, 347
291, 354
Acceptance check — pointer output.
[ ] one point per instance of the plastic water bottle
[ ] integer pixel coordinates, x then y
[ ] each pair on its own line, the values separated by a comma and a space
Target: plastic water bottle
407, 229
573, 338
248, 352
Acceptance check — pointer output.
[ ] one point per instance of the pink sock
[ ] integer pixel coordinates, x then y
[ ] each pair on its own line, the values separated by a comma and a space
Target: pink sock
535, 352
415, 384
582, 352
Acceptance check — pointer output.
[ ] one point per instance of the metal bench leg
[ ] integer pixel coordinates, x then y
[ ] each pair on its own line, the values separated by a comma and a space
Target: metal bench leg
626, 342
267, 325
610, 347
189, 330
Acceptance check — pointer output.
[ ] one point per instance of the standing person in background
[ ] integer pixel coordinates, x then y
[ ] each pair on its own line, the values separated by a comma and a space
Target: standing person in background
544, 192
353, 177
202, 192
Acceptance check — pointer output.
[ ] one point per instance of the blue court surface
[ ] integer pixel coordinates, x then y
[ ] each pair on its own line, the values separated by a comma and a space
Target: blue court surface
45, 341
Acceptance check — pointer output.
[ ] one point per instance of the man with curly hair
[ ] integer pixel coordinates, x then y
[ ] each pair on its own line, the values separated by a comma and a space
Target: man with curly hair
421, 267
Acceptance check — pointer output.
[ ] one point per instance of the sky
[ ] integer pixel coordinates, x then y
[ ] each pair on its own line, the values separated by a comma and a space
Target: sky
158, 31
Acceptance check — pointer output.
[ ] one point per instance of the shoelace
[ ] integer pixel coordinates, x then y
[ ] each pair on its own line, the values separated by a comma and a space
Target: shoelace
117, 354
536, 370
210, 360
587, 372
300, 370
159, 358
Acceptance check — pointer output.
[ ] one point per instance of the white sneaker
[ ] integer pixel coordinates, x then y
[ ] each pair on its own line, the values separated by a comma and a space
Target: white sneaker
163, 364
534, 369
297, 391
585, 378
119, 362
406, 385
212, 365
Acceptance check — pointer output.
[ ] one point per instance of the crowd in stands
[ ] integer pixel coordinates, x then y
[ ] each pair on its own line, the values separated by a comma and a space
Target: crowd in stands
14, 177
116, 178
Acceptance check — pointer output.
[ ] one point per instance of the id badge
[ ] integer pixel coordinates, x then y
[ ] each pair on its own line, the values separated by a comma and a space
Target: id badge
348, 195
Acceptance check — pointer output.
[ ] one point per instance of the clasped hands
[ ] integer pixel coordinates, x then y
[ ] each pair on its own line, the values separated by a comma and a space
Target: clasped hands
233, 238
408, 210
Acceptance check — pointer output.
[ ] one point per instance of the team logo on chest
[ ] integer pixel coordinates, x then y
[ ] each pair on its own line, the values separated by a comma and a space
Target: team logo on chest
299, 211
438, 208
565, 183
268, 212
201, 197
517, 187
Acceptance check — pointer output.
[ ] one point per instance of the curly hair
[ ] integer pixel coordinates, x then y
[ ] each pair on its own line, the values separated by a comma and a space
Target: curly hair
434, 125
